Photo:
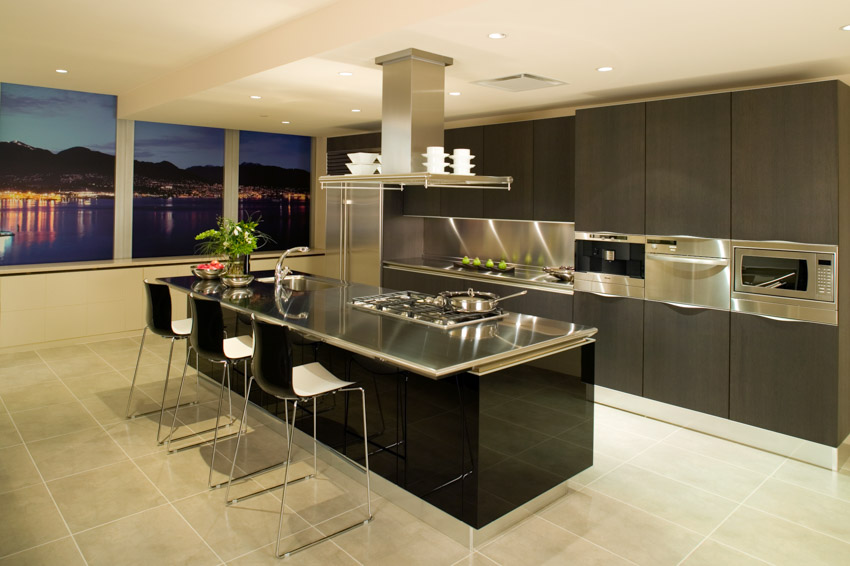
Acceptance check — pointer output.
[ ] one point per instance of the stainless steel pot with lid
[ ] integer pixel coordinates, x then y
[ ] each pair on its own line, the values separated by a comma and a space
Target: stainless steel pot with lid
471, 301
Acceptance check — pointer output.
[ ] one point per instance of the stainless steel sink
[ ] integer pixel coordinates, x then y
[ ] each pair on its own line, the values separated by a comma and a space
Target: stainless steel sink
303, 283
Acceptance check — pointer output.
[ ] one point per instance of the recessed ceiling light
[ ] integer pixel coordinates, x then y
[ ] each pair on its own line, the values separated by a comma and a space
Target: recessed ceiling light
605, 69
285, 122
255, 97
345, 74
497, 35
62, 71
355, 110
454, 94
846, 28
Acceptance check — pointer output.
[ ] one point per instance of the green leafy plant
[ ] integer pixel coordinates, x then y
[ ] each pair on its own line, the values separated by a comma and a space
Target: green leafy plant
232, 239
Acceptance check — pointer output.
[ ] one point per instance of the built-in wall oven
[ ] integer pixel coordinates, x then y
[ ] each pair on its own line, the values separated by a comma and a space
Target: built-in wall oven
688, 271
786, 280
610, 264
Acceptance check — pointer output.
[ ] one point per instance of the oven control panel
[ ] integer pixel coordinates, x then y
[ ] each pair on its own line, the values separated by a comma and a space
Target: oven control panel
825, 276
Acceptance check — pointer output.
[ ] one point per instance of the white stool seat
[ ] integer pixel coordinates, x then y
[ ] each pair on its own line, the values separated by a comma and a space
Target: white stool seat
239, 347
182, 327
313, 379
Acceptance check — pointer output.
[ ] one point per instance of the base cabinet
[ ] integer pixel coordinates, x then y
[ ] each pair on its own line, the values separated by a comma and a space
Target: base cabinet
686, 357
784, 377
619, 345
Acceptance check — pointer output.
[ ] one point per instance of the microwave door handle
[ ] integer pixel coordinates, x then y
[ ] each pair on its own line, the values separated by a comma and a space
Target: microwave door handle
686, 259
775, 282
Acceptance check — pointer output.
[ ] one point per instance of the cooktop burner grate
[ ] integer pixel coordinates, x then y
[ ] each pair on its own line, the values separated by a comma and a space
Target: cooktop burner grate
420, 307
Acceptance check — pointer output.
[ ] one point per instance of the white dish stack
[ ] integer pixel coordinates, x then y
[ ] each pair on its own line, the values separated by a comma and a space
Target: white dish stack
364, 163
436, 159
462, 162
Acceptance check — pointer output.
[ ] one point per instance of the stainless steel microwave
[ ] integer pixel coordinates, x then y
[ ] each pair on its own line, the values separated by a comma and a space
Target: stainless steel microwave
786, 280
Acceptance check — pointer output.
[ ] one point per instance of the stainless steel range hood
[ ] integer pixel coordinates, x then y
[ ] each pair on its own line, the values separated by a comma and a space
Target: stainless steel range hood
413, 103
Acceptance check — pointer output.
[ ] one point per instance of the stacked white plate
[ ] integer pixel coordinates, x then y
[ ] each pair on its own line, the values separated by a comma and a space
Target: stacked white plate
462, 162
364, 163
436, 159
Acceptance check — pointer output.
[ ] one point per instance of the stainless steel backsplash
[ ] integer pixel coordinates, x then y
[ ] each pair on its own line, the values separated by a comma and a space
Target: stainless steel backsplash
524, 242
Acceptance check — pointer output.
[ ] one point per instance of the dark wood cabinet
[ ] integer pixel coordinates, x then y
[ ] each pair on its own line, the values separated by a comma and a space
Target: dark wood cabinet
402, 280
688, 159
619, 342
785, 162
554, 169
784, 377
610, 169
465, 203
686, 357
509, 150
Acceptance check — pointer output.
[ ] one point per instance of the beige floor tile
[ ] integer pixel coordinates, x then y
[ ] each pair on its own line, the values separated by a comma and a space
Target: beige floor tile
35, 374
536, 541
111, 406
630, 422
701, 471
92, 384
157, 536
475, 559
817, 511
711, 553
62, 551
29, 518
184, 474
59, 353
102, 347
684, 505
738, 454
35, 397
602, 464
155, 372
138, 436
75, 452
836, 484
779, 541
16, 469
37, 424
79, 365
325, 554
98, 496
236, 529
126, 359
395, 537
17, 359
611, 442
8, 435
622, 529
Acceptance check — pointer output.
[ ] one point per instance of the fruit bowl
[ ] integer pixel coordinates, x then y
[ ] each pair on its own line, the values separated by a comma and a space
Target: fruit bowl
210, 270
237, 280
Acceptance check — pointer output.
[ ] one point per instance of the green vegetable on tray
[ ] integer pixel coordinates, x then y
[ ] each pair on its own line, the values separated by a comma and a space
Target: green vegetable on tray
465, 260
489, 263
476, 262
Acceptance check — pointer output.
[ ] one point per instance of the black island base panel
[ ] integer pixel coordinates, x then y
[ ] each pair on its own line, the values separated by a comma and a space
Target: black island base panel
474, 447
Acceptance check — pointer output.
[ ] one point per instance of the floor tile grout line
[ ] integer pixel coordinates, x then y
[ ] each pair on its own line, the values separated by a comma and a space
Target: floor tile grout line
732, 442
793, 522
807, 488
17, 552
47, 489
639, 416
167, 502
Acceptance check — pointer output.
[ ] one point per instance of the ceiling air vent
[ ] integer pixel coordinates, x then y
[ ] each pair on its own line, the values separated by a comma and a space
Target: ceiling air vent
521, 82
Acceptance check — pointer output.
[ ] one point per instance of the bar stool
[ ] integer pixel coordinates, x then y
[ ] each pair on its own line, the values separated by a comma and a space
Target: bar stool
209, 342
159, 322
272, 369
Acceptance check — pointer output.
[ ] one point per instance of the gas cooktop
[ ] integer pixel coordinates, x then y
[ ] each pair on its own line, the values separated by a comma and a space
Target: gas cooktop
421, 308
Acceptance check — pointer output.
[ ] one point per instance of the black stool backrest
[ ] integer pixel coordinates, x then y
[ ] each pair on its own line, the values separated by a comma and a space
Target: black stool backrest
207, 337
272, 362
159, 309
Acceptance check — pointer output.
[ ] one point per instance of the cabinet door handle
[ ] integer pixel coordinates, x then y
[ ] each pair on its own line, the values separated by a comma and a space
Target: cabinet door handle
684, 305
686, 259
780, 318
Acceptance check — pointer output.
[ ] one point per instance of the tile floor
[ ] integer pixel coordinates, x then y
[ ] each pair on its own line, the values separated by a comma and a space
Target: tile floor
79, 484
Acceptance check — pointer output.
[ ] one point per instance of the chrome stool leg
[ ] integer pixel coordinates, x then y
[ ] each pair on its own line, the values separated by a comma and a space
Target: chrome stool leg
170, 436
136, 371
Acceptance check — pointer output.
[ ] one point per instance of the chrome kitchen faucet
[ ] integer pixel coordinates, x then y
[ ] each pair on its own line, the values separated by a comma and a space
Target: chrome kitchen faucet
280, 270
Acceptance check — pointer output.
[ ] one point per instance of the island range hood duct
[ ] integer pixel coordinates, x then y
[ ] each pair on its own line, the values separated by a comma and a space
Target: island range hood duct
413, 103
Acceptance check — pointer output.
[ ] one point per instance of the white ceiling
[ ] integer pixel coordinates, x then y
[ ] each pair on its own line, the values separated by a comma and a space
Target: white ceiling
198, 61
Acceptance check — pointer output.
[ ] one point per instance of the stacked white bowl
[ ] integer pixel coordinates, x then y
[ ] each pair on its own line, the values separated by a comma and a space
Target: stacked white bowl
363, 163
436, 162
462, 162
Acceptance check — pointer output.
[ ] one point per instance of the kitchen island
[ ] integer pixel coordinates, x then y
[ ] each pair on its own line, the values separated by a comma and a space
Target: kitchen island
459, 417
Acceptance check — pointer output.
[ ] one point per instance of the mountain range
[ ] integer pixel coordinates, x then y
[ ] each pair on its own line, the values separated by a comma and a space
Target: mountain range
23, 167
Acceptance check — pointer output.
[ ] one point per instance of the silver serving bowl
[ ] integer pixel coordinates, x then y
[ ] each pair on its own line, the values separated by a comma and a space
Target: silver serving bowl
237, 280
208, 273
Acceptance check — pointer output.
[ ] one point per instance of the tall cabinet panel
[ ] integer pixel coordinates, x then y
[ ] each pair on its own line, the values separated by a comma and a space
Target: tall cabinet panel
619, 349
784, 377
554, 169
466, 203
785, 163
686, 357
610, 169
509, 150
688, 159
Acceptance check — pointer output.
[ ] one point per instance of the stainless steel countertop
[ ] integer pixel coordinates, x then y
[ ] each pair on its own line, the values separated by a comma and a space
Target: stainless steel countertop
523, 276
432, 352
